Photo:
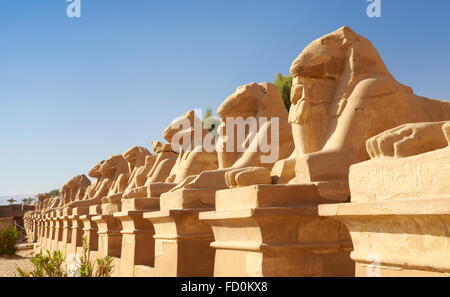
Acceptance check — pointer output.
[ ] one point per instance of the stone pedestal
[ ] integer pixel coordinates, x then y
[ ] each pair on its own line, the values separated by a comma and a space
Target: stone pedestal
66, 211
138, 244
41, 234
76, 242
398, 238
275, 230
90, 232
113, 205
109, 236
66, 233
58, 242
35, 232
399, 216
51, 244
182, 241
47, 233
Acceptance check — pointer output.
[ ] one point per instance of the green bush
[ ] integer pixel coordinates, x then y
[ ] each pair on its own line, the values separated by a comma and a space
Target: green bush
49, 265
8, 240
100, 268
52, 265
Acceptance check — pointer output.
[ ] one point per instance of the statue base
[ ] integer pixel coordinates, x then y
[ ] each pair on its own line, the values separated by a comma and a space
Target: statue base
90, 232
109, 236
275, 230
66, 233
58, 244
113, 204
52, 242
76, 241
399, 216
397, 238
182, 241
138, 244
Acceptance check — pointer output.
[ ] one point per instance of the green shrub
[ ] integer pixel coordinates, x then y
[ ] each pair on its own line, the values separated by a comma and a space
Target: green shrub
8, 240
51, 265
100, 268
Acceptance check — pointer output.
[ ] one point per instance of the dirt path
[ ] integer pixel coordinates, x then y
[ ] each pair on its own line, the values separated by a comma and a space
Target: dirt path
8, 263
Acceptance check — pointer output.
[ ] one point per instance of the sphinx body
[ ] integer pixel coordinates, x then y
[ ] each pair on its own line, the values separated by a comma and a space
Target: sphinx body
141, 174
136, 158
191, 159
342, 95
122, 170
159, 168
411, 162
409, 140
74, 189
95, 191
51, 203
165, 160
40, 201
361, 99
240, 161
131, 162
71, 191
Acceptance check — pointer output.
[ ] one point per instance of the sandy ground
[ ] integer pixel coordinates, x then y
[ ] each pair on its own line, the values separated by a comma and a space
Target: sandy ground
8, 264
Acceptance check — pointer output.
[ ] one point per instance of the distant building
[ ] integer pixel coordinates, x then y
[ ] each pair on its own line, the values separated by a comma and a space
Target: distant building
13, 214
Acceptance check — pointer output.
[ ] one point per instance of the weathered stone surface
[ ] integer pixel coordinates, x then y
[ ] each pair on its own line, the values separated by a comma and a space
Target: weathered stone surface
399, 215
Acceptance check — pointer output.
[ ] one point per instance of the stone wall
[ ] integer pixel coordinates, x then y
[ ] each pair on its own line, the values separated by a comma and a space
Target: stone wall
6, 222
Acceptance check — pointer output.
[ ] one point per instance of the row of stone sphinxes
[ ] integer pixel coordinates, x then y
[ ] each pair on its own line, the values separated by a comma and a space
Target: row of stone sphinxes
229, 214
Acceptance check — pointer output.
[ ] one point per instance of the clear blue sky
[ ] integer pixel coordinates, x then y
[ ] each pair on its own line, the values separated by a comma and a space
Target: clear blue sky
75, 91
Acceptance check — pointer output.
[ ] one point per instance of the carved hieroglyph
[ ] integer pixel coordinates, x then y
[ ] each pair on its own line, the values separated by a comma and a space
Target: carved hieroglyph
408, 162
399, 214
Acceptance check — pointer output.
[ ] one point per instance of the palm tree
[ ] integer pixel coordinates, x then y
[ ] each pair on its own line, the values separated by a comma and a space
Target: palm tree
54, 193
11, 201
28, 200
